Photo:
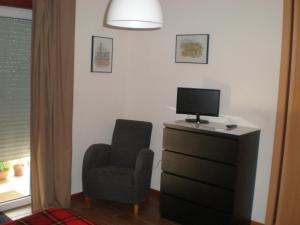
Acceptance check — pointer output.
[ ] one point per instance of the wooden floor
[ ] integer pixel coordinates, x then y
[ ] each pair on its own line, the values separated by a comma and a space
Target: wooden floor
111, 213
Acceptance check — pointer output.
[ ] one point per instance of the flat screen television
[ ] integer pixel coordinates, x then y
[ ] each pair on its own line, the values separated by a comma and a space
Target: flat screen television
195, 101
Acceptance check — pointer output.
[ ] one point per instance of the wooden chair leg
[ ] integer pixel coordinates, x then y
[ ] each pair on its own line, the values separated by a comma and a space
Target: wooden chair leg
88, 202
135, 209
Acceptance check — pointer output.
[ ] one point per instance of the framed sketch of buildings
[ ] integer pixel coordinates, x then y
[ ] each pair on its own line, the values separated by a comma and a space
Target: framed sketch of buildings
102, 54
192, 48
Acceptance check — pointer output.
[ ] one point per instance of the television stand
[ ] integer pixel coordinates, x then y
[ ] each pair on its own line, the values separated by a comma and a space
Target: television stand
208, 174
197, 120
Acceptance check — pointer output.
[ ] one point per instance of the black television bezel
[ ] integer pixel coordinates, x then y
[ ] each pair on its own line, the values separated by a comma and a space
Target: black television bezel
200, 113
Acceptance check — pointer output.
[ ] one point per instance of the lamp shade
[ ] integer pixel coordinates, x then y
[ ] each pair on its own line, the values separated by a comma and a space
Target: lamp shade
136, 14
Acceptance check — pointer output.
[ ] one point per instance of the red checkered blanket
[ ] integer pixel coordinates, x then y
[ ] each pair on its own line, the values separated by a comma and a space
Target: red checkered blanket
52, 216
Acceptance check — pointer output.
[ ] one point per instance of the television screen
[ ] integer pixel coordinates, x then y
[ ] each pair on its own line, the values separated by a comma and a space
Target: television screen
198, 101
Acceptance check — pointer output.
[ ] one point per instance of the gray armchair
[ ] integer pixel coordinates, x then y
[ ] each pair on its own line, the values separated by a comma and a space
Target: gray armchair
121, 171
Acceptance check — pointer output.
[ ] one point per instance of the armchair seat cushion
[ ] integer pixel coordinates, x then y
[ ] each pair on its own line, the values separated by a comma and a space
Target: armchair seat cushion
111, 183
111, 175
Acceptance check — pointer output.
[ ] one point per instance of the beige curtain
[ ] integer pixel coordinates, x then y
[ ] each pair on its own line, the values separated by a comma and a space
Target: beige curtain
52, 102
284, 193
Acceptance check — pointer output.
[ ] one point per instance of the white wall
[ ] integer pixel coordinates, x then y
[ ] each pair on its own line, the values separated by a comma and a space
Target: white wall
98, 97
244, 60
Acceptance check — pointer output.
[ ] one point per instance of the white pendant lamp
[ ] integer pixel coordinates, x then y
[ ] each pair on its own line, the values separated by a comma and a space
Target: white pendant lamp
135, 14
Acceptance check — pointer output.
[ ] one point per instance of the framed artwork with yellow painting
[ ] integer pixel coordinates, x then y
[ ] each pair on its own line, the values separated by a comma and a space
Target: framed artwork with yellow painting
102, 54
192, 48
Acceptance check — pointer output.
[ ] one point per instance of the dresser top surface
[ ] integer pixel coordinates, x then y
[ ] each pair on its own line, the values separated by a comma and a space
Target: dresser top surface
211, 127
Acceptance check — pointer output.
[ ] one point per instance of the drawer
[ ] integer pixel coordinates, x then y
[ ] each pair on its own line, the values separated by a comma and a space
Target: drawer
203, 194
188, 213
211, 147
199, 169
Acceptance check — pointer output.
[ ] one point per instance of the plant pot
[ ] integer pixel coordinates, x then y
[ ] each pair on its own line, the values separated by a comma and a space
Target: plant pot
3, 175
19, 170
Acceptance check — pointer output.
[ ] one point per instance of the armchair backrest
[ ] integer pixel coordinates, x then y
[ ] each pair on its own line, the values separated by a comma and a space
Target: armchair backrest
129, 137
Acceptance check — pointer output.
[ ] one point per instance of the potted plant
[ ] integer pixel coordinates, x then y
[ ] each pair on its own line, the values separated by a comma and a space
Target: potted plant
4, 169
19, 169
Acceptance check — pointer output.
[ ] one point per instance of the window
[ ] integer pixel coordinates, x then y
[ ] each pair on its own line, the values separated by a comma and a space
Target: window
15, 73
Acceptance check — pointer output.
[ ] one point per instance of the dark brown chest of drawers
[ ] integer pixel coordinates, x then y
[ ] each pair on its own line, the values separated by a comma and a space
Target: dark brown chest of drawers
208, 173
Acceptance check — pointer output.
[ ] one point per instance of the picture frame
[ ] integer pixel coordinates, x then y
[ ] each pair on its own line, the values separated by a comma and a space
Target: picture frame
102, 54
192, 48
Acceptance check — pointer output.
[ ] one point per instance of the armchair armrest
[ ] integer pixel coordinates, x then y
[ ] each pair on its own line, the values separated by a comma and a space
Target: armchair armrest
143, 172
96, 155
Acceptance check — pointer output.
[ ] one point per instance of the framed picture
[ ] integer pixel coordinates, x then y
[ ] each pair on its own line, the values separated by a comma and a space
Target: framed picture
102, 54
192, 48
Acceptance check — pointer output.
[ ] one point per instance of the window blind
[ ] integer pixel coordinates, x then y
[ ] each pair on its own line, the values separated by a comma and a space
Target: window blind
15, 74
